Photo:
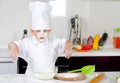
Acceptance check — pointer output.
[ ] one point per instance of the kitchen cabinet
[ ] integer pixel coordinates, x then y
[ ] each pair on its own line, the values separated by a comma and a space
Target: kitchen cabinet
102, 63
21, 66
107, 59
7, 66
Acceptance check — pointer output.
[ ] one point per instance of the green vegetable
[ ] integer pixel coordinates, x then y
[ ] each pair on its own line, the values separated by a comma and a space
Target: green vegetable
84, 70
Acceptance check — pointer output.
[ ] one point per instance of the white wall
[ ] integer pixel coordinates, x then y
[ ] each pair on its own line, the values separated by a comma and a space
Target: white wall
14, 17
97, 16
61, 24
104, 16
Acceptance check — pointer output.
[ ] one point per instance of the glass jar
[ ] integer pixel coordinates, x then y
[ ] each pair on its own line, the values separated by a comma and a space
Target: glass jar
116, 38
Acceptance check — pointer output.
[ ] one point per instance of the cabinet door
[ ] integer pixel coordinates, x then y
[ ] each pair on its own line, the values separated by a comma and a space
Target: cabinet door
63, 64
22, 66
8, 67
102, 63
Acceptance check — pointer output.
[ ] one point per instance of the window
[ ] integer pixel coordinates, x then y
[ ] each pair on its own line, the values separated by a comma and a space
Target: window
58, 7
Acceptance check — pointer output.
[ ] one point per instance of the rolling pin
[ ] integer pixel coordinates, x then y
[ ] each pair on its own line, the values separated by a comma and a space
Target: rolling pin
98, 78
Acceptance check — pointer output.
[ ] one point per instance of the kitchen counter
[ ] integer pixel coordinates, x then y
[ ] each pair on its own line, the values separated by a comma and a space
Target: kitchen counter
102, 52
5, 53
22, 78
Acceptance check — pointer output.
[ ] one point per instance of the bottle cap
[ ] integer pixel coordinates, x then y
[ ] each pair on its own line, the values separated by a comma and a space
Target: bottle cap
118, 29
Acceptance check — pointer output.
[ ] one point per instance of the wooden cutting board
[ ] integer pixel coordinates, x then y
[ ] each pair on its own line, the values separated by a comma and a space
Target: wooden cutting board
70, 76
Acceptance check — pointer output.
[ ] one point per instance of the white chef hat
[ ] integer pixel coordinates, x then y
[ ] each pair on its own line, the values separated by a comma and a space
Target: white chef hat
40, 15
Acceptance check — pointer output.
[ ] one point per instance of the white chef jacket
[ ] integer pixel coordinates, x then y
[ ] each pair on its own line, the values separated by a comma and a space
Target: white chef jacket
40, 57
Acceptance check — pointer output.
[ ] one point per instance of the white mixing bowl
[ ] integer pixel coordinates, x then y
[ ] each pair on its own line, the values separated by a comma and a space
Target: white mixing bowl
46, 75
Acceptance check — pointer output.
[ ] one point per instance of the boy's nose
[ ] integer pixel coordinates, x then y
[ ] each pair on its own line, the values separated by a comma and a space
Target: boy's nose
41, 32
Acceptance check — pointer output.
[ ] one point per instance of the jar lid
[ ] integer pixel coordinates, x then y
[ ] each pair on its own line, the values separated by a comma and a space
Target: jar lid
118, 29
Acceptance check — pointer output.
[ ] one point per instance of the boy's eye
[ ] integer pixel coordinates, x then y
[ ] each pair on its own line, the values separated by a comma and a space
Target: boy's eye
38, 31
41, 31
44, 30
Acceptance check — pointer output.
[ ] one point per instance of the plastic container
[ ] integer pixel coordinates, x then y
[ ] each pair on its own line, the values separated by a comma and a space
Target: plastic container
116, 38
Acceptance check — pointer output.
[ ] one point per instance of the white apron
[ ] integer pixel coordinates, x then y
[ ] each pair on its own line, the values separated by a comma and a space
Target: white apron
41, 59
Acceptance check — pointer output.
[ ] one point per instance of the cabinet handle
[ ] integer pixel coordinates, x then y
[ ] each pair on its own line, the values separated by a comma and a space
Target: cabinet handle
6, 61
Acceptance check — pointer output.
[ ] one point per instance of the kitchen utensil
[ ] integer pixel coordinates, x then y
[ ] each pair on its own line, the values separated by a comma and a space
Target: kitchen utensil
85, 70
75, 30
97, 78
24, 33
45, 75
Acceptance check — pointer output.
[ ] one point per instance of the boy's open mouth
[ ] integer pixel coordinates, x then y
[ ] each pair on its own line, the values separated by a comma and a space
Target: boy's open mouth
41, 38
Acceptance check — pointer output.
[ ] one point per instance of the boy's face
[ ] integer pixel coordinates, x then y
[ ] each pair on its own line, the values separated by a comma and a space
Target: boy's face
41, 35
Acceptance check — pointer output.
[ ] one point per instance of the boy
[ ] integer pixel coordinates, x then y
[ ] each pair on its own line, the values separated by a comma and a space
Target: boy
40, 51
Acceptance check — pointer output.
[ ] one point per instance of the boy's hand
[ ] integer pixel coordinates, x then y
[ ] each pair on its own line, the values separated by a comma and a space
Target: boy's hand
68, 49
14, 51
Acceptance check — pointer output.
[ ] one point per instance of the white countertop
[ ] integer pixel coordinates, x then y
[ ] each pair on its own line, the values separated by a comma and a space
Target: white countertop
102, 52
5, 53
21, 78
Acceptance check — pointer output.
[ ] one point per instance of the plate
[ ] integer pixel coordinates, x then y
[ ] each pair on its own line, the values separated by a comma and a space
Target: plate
70, 76
82, 50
